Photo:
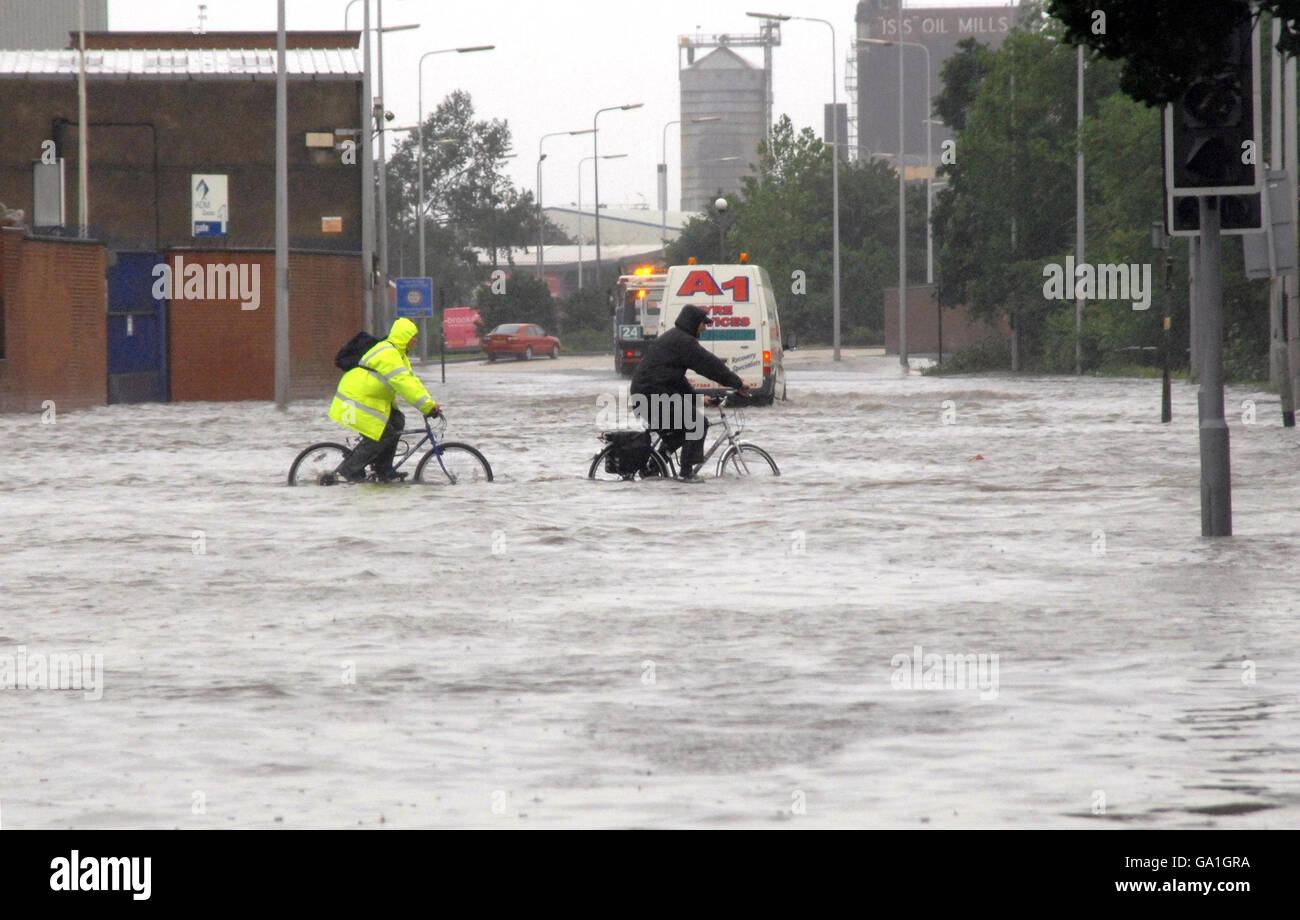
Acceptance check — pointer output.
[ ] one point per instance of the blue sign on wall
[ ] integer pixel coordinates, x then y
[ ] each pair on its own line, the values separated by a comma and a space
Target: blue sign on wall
414, 297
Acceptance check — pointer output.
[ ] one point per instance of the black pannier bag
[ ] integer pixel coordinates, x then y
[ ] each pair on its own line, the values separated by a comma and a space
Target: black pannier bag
350, 355
630, 453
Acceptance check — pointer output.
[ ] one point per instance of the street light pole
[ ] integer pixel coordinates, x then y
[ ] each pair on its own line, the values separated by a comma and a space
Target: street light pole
835, 174
541, 233
419, 159
902, 184
367, 176
1078, 211
663, 173
608, 156
281, 216
596, 158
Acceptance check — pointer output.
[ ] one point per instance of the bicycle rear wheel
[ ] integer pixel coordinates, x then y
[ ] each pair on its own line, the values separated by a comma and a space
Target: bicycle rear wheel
463, 464
747, 460
655, 468
315, 461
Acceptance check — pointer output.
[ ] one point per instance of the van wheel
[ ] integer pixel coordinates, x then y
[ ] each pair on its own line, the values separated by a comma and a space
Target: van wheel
491, 357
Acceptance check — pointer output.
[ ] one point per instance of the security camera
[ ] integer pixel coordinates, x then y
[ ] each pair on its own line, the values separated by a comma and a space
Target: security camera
720, 204
388, 116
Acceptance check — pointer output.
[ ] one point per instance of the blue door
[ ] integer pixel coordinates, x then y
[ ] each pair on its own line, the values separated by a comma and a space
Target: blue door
137, 331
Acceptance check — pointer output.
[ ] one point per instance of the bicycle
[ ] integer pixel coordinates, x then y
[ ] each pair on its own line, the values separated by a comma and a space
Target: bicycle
739, 458
455, 462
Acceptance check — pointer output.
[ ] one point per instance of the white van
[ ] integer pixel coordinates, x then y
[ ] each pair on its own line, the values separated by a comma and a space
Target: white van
746, 330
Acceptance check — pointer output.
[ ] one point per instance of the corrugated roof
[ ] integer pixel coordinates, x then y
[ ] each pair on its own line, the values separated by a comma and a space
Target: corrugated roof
232, 64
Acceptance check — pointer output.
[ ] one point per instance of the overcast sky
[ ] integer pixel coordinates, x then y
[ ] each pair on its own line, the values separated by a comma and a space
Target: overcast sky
555, 64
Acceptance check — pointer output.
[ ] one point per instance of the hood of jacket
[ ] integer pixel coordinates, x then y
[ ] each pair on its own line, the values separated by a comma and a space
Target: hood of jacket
689, 320
402, 332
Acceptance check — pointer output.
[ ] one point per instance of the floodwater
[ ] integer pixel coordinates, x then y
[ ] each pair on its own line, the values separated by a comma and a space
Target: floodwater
549, 651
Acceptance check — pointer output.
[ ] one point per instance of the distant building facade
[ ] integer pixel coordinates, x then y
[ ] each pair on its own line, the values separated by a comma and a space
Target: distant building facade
938, 29
716, 155
29, 24
181, 153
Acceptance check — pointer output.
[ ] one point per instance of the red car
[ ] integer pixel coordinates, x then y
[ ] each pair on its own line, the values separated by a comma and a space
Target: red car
523, 340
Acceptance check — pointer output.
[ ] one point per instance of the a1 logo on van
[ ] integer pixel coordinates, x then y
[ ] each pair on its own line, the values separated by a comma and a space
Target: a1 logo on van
701, 282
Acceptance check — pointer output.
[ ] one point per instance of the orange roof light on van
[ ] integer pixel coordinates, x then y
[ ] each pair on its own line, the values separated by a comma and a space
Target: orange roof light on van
691, 260
744, 258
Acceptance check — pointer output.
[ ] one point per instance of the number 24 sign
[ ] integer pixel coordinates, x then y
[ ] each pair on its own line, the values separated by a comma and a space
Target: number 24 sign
701, 282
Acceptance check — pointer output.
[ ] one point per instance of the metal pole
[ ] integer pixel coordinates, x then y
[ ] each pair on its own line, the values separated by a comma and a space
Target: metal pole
835, 201
367, 178
595, 165
929, 170
580, 162
902, 211
663, 186
83, 127
540, 235
1166, 397
1194, 307
281, 216
1078, 211
1291, 291
1216, 495
1277, 344
383, 172
419, 200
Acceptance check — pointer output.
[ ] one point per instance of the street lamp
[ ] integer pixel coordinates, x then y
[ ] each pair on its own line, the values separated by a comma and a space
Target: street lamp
596, 157
383, 167
663, 173
541, 259
835, 174
929, 149
608, 156
419, 117
902, 181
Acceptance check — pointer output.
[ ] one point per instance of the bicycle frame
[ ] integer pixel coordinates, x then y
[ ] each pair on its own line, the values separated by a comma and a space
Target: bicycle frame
413, 450
728, 435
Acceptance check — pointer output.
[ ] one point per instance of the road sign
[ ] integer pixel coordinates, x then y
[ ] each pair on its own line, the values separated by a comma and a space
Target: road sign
414, 297
209, 205
1280, 234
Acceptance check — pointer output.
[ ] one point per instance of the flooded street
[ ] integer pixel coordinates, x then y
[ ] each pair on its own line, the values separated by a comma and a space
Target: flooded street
545, 650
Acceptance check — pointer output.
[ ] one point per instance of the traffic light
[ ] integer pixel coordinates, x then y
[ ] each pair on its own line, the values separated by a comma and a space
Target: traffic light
1238, 215
1211, 146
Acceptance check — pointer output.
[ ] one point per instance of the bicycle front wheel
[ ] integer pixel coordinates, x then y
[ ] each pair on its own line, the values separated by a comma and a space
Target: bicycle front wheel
656, 467
460, 464
747, 460
315, 461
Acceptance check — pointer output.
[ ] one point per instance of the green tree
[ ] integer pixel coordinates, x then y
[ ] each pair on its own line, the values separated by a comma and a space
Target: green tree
522, 300
469, 203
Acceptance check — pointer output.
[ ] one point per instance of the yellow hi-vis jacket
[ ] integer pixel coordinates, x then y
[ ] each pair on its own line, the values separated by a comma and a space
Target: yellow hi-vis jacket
366, 393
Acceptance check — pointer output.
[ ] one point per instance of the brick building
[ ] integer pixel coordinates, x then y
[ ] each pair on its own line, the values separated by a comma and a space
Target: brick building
164, 111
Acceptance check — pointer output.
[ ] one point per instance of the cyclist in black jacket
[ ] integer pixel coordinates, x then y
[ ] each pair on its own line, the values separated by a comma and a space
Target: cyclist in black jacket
662, 372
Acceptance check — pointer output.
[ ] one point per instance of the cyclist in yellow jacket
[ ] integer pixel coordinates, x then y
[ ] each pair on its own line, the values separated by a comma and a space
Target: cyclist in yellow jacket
365, 403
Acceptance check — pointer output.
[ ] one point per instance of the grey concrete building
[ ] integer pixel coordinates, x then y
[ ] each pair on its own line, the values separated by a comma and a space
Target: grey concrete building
938, 29
716, 155
30, 24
